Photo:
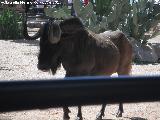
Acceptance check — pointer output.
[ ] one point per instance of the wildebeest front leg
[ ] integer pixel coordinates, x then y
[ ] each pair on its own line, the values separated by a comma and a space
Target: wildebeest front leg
101, 113
66, 111
120, 110
79, 115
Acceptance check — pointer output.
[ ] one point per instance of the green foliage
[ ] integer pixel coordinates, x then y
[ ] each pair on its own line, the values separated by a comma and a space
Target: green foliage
87, 15
103, 15
141, 19
103, 7
10, 25
61, 12
118, 13
83, 12
134, 19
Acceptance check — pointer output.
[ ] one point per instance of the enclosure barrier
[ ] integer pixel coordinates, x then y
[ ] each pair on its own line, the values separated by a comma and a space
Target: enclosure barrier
29, 94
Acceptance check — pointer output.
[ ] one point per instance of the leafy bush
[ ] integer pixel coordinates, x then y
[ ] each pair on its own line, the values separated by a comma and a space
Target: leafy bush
141, 19
134, 18
10, 25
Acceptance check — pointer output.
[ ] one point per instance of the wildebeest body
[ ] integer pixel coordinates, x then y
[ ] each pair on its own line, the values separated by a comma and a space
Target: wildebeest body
125, 49
84, 53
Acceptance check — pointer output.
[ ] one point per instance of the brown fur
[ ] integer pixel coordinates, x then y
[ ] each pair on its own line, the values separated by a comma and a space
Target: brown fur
84, 53
86, 48
125, 49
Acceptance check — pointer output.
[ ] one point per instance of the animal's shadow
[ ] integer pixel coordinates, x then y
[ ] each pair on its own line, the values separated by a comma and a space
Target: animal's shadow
138, 118
132, 118
27, 42
23, 41
146, 63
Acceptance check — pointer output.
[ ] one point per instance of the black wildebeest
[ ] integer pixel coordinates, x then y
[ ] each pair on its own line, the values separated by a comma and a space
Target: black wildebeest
84, 53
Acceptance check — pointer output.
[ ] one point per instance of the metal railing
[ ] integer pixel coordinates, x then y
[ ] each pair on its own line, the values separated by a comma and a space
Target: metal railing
24, 95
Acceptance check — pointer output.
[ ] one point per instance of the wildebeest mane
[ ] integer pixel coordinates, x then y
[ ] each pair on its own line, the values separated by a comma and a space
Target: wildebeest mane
75, 43
74, 27
71, 24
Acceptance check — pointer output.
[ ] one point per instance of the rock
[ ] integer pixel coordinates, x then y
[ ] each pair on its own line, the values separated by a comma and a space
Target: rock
156, 44
143, 53
157, 48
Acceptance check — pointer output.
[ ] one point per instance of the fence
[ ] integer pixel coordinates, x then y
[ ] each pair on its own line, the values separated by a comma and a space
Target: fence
24, 95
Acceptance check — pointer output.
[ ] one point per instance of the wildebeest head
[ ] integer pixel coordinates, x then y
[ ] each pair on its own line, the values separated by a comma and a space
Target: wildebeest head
49, 55
50, 42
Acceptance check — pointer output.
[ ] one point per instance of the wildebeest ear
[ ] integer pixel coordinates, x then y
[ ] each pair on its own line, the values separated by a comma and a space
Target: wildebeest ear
54, 33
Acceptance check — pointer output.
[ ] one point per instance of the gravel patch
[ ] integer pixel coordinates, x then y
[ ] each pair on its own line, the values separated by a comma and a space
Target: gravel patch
18, 61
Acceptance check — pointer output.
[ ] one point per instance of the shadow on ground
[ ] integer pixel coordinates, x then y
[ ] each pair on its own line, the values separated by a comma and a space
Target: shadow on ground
29, 42
137, 118
132, 118
146, 63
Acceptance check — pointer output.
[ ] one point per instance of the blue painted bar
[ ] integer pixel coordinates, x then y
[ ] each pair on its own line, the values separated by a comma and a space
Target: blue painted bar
72, 91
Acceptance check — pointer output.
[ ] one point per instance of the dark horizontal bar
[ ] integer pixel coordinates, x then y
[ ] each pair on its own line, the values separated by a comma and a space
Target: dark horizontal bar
24, 95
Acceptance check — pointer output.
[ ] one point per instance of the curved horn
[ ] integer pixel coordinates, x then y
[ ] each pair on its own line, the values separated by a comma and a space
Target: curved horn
54, 32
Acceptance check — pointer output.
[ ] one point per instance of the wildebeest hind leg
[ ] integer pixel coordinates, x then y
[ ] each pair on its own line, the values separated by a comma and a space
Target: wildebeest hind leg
124, 69
66, 111
101, 113
79, 115
120, 110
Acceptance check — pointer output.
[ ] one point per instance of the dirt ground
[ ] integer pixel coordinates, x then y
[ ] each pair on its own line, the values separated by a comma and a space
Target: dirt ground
18, 61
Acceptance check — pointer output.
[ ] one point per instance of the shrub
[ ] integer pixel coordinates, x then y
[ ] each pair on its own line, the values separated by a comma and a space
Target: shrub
10, 25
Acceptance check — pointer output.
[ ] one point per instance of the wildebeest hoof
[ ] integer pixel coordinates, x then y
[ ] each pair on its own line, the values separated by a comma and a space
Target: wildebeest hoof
66, 117
99, 116
79, 118
119, 114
